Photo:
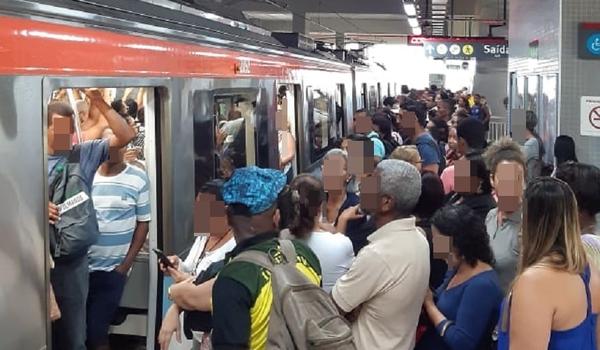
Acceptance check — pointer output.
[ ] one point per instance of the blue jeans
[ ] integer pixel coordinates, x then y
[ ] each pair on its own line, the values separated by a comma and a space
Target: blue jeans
106, 290
70, 282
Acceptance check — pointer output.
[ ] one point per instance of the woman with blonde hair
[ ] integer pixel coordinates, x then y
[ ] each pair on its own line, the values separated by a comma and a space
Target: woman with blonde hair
556, 295
408, 153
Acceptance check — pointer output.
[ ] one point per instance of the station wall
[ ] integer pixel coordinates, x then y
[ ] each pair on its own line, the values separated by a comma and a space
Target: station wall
554, 25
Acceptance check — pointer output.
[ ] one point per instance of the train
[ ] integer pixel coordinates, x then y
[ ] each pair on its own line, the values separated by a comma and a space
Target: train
195, 68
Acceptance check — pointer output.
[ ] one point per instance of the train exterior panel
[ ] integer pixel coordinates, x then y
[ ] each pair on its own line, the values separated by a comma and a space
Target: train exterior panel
45, 46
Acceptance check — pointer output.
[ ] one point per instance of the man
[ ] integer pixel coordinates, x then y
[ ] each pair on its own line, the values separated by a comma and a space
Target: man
69, 277
428, 148
363, 124
242, 295
386, 285
444, 110
480, 112
122, 201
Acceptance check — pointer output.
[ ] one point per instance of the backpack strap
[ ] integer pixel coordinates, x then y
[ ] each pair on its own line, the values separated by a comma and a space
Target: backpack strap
288, 250
505, 314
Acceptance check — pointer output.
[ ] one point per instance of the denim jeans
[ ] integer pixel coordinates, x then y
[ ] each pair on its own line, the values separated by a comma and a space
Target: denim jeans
70, 282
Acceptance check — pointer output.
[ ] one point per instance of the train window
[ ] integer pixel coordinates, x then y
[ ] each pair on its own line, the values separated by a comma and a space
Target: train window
322, 131
235, 121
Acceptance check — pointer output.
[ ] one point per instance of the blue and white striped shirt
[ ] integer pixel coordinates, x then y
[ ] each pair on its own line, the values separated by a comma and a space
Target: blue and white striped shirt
120, 201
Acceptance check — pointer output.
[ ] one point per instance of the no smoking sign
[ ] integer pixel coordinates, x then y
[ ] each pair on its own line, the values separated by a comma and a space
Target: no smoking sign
590, 116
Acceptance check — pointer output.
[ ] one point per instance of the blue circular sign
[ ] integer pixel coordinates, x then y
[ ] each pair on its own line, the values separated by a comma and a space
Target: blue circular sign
593, 44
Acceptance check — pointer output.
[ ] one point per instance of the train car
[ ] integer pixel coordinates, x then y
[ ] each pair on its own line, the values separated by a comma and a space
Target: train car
193, 73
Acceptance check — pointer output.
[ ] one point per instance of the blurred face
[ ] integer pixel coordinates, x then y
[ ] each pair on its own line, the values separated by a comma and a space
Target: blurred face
362, 123
226, 168
335, 174
60, 133
115, 155
360, 157
408, 123
210, 215
464, 182
369, 194
477, 99
443, 249
509, 182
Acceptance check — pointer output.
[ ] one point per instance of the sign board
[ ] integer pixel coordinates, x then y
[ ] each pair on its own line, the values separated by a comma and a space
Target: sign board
590, 116
463, 48
589, 41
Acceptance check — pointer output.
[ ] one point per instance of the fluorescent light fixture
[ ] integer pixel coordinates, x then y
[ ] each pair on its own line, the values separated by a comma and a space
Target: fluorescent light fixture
413, 22
417, 31
410, 9
352, 46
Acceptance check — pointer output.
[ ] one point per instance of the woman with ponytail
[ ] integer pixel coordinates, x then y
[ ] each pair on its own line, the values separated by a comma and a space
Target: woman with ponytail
333, 250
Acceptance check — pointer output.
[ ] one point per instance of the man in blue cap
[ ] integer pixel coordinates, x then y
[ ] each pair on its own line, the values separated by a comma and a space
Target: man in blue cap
242, 296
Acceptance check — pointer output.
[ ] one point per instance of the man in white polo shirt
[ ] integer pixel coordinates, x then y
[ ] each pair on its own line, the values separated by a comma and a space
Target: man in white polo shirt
387, 282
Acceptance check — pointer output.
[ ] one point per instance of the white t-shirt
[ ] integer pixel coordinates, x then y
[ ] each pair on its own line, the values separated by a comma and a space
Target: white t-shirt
388, 281
335, 254
191, 264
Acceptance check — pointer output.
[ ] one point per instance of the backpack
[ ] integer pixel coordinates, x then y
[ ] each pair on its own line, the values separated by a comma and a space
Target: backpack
389, 146
303, 316
77, 229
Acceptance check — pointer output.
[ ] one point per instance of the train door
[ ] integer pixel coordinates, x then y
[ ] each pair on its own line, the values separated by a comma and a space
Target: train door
287, 107
126, 193
340, 110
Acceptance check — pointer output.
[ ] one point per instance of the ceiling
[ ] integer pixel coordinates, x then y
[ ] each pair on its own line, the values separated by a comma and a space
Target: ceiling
364, 21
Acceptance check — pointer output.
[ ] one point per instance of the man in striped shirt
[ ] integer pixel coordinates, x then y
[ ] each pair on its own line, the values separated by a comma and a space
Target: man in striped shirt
122, 201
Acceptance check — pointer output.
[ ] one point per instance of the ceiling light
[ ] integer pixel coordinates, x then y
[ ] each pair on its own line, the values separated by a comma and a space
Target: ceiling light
417, 31
410, 9
413, 22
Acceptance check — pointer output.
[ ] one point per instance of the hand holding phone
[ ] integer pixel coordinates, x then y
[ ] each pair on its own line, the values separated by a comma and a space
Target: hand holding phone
162, 258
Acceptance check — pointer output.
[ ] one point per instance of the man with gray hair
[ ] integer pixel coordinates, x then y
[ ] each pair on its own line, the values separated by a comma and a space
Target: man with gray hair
386, 285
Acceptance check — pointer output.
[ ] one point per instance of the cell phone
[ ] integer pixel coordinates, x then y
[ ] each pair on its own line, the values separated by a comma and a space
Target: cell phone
162, 258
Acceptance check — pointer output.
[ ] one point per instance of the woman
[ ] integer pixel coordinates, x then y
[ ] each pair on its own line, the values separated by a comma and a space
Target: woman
208, 251
287, 151
556, 294
564, 150
382, 125
335, 182
533, 147
431, 199
507, 168
408, 153
472, 185
464, 310
333, 250
452, 153
584, 181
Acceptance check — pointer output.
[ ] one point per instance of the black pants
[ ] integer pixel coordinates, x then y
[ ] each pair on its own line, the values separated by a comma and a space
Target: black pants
106, 290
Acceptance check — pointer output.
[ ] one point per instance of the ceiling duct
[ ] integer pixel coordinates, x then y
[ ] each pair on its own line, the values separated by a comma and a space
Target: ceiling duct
295, 40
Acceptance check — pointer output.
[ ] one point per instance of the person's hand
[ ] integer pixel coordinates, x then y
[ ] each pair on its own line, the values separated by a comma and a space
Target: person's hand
94, 95
177, 275
53, 215
174, 259
131, 155
351, 213
170, 325
325, 226
122, 269
429, 298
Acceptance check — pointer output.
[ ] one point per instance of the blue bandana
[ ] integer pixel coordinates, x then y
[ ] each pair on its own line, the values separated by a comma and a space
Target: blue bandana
256, 188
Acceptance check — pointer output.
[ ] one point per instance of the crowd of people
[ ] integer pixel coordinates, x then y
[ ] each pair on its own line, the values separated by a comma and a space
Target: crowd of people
414, 233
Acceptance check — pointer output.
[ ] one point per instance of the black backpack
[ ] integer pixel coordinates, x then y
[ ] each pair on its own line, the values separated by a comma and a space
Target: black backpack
77, 229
